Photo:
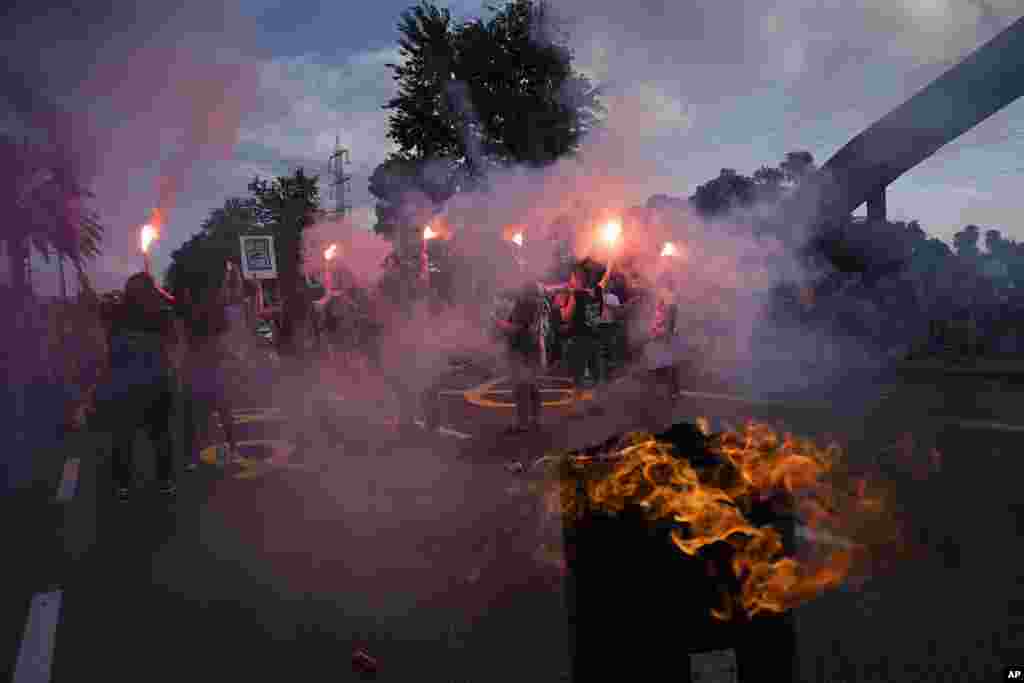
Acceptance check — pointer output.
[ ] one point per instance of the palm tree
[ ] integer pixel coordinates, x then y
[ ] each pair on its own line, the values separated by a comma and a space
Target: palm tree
44, 207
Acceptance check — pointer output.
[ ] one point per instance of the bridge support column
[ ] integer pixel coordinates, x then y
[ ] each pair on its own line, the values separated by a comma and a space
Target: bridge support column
876, 206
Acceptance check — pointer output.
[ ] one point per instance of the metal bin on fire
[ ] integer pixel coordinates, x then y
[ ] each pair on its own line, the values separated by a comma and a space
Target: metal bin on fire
638, 607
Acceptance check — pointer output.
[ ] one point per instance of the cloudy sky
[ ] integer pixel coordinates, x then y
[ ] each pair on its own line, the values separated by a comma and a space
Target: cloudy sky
211, 93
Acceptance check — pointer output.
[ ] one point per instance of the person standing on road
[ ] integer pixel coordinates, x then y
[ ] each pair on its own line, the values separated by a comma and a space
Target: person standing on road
608, 330
663, 348
206, 373
524, 329
583, 309
139, 388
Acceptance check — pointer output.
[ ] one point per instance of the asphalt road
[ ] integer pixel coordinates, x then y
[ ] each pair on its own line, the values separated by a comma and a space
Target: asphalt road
413, 548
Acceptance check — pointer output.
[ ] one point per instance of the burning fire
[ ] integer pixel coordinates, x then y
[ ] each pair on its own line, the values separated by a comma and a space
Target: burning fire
330, 251
669, 249
428, 233
146, 237
611, 231
150, 232
712, 505
518, 239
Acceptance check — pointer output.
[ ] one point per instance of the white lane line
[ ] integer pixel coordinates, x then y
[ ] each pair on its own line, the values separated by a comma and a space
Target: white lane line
35, 655
737, 399
447, 431
69, 480
988, 426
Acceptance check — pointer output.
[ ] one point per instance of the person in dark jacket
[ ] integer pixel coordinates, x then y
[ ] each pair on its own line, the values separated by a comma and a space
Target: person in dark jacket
139, 388
523, 330
583, 310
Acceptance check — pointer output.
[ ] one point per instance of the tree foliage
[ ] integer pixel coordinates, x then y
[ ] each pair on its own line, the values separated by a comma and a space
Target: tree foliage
966, 242
286, 206
475, 95
45, 206
199, 263
732, 190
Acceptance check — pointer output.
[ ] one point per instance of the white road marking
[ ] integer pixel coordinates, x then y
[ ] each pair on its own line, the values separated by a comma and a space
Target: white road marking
69, 480
737, 399
988, 426
35, 656
447, 431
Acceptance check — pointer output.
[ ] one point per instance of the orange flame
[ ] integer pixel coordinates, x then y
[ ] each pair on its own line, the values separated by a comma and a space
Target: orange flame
518, 239
428, 233
669, 249
330, 251
712, 506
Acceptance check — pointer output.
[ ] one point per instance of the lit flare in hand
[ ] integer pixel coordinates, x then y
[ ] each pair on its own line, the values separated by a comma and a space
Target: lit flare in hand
147, 237
330, 251
518, 239
428, 233
611, 232
669, 249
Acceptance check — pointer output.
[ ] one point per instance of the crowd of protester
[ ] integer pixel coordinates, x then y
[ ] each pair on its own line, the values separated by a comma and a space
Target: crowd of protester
587, 321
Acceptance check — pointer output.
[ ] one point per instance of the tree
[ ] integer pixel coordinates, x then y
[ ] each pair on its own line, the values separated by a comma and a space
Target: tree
199, 262
473, 96
501, 91
797, 166
45, 208
997, 245
769, 183
421, 123
732, 190
965, 243
729, 191
477, 94
287, 205
530, 106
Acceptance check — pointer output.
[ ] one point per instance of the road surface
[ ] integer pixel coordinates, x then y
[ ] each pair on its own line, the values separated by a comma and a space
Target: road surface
417, 549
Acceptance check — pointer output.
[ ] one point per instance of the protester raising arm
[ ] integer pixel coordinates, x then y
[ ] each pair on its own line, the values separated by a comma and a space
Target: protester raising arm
603, 284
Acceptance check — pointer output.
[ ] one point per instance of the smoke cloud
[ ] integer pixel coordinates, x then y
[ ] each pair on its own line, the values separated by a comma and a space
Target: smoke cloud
361, 253
137, 94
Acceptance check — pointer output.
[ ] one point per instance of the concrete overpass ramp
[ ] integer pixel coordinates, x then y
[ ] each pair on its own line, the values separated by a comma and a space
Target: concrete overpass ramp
986, 81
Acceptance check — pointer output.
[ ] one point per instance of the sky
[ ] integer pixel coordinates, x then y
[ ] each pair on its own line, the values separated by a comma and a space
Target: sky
211, 93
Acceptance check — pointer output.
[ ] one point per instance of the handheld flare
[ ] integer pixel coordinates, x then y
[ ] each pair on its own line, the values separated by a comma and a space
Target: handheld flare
330, 251
612, 231
518, 239
669, 249
428, 233
146, 237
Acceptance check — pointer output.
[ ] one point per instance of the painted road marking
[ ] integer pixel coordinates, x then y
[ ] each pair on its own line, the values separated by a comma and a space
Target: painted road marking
447, 431
988, 426
247, 415
35, 655
69, 480
479, 395
737, 399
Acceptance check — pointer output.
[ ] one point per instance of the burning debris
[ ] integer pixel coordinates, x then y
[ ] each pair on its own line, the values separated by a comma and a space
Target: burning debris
736, 500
